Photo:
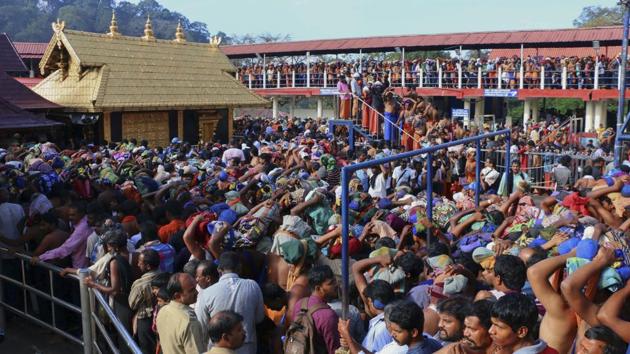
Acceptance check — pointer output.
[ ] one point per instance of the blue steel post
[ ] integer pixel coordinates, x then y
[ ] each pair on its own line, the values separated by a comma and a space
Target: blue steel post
331, 127
429, 193
345, 174
351, 136
508, 159
478, 173
622, 81
347, 171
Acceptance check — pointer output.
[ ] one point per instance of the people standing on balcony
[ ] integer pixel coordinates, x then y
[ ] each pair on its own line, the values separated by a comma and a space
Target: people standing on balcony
390, 131
378, 88
366, 110
355, 86
345, 97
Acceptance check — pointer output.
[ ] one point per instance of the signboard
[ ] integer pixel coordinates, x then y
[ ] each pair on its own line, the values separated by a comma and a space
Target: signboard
331, 91
460, 112
500, 93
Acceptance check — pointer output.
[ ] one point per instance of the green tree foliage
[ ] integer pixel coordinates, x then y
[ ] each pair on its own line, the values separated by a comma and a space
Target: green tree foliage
29, 20
594, 16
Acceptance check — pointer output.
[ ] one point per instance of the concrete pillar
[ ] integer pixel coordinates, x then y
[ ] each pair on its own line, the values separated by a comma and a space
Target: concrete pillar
292, 107
274, 101
600, 113
589, 117
535, 110
479, 109
320, 107
467, 106
527, 107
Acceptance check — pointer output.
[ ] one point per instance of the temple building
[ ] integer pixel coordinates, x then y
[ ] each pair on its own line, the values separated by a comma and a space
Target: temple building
142, 87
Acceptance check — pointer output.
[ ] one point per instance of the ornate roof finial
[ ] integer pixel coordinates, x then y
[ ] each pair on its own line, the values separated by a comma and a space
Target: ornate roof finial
113, 27
215, 41
58, 26
148, 30
180, 37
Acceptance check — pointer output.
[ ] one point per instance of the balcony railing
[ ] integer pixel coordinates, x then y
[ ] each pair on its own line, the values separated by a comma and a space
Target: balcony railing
486, 77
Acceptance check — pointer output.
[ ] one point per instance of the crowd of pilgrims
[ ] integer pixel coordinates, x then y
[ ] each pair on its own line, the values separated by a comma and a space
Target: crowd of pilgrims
236, 248
580, 72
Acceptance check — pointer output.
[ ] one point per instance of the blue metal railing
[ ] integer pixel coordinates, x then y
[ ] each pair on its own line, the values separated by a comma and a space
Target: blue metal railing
348, 171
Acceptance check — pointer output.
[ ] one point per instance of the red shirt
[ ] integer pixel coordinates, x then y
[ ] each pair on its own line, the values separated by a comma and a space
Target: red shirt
166, 231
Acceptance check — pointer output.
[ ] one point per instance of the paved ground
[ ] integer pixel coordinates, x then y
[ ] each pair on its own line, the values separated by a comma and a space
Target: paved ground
24, 337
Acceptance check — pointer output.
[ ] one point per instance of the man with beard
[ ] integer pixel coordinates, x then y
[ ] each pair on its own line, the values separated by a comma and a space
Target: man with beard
452, 312
476, 336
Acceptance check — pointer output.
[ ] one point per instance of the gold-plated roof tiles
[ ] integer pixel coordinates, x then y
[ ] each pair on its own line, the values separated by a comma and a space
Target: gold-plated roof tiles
128, 73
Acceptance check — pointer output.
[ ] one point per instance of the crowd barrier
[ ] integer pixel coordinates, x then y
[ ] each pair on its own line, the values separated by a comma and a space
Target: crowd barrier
348, 171
64, 305
539, 165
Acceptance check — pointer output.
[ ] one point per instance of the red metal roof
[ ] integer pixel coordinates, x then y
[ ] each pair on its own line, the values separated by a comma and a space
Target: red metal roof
9, 58
571, 37
608, 51
30, 50
21, 96
29, 82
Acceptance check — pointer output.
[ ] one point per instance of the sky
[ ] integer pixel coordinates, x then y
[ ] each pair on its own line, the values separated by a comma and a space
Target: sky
320, 19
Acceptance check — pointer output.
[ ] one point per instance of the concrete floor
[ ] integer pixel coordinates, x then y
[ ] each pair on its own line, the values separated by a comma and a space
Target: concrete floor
25, 337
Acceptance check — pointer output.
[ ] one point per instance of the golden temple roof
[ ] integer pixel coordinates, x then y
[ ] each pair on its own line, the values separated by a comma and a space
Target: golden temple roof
99, 72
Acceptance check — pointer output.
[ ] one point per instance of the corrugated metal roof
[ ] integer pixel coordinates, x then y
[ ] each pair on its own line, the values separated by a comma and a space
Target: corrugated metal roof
9, 58
29, 82
571, 37
608, 51
30, 50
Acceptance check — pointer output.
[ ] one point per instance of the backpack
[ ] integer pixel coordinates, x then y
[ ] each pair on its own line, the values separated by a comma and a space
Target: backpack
302, 335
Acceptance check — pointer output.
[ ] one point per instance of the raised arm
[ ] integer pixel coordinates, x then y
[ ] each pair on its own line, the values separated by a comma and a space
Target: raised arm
193, 245
573, 285
538, 276
608, 315
361, 267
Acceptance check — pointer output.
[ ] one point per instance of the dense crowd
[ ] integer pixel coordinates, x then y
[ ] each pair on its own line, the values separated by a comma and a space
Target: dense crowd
580, 72
236, 248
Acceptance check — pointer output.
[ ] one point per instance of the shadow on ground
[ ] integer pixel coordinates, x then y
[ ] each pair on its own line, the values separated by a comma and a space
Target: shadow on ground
24, 337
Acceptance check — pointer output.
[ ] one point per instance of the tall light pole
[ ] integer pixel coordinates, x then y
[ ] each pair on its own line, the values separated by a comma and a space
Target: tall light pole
622, 79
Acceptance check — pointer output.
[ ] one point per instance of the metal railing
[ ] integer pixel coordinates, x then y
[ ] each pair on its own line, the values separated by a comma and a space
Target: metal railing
482, 77
539, 165
42, 289
348, 171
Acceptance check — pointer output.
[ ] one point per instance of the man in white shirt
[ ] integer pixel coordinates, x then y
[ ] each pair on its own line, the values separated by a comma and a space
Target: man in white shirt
382, 181
232, 153
242, 296
11, 215
402, 174
489, 175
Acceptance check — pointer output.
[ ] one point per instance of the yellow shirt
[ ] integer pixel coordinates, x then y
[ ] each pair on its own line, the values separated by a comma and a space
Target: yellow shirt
179, 330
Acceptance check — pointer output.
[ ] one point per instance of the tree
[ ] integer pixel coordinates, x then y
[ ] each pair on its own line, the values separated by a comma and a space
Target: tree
594, 16
29, 20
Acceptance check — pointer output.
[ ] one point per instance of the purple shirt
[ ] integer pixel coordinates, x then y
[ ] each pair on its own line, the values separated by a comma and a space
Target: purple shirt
325, 320
74, 245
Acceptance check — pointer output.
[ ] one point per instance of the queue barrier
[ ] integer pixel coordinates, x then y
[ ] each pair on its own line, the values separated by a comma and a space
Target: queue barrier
348, 171
101, 331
